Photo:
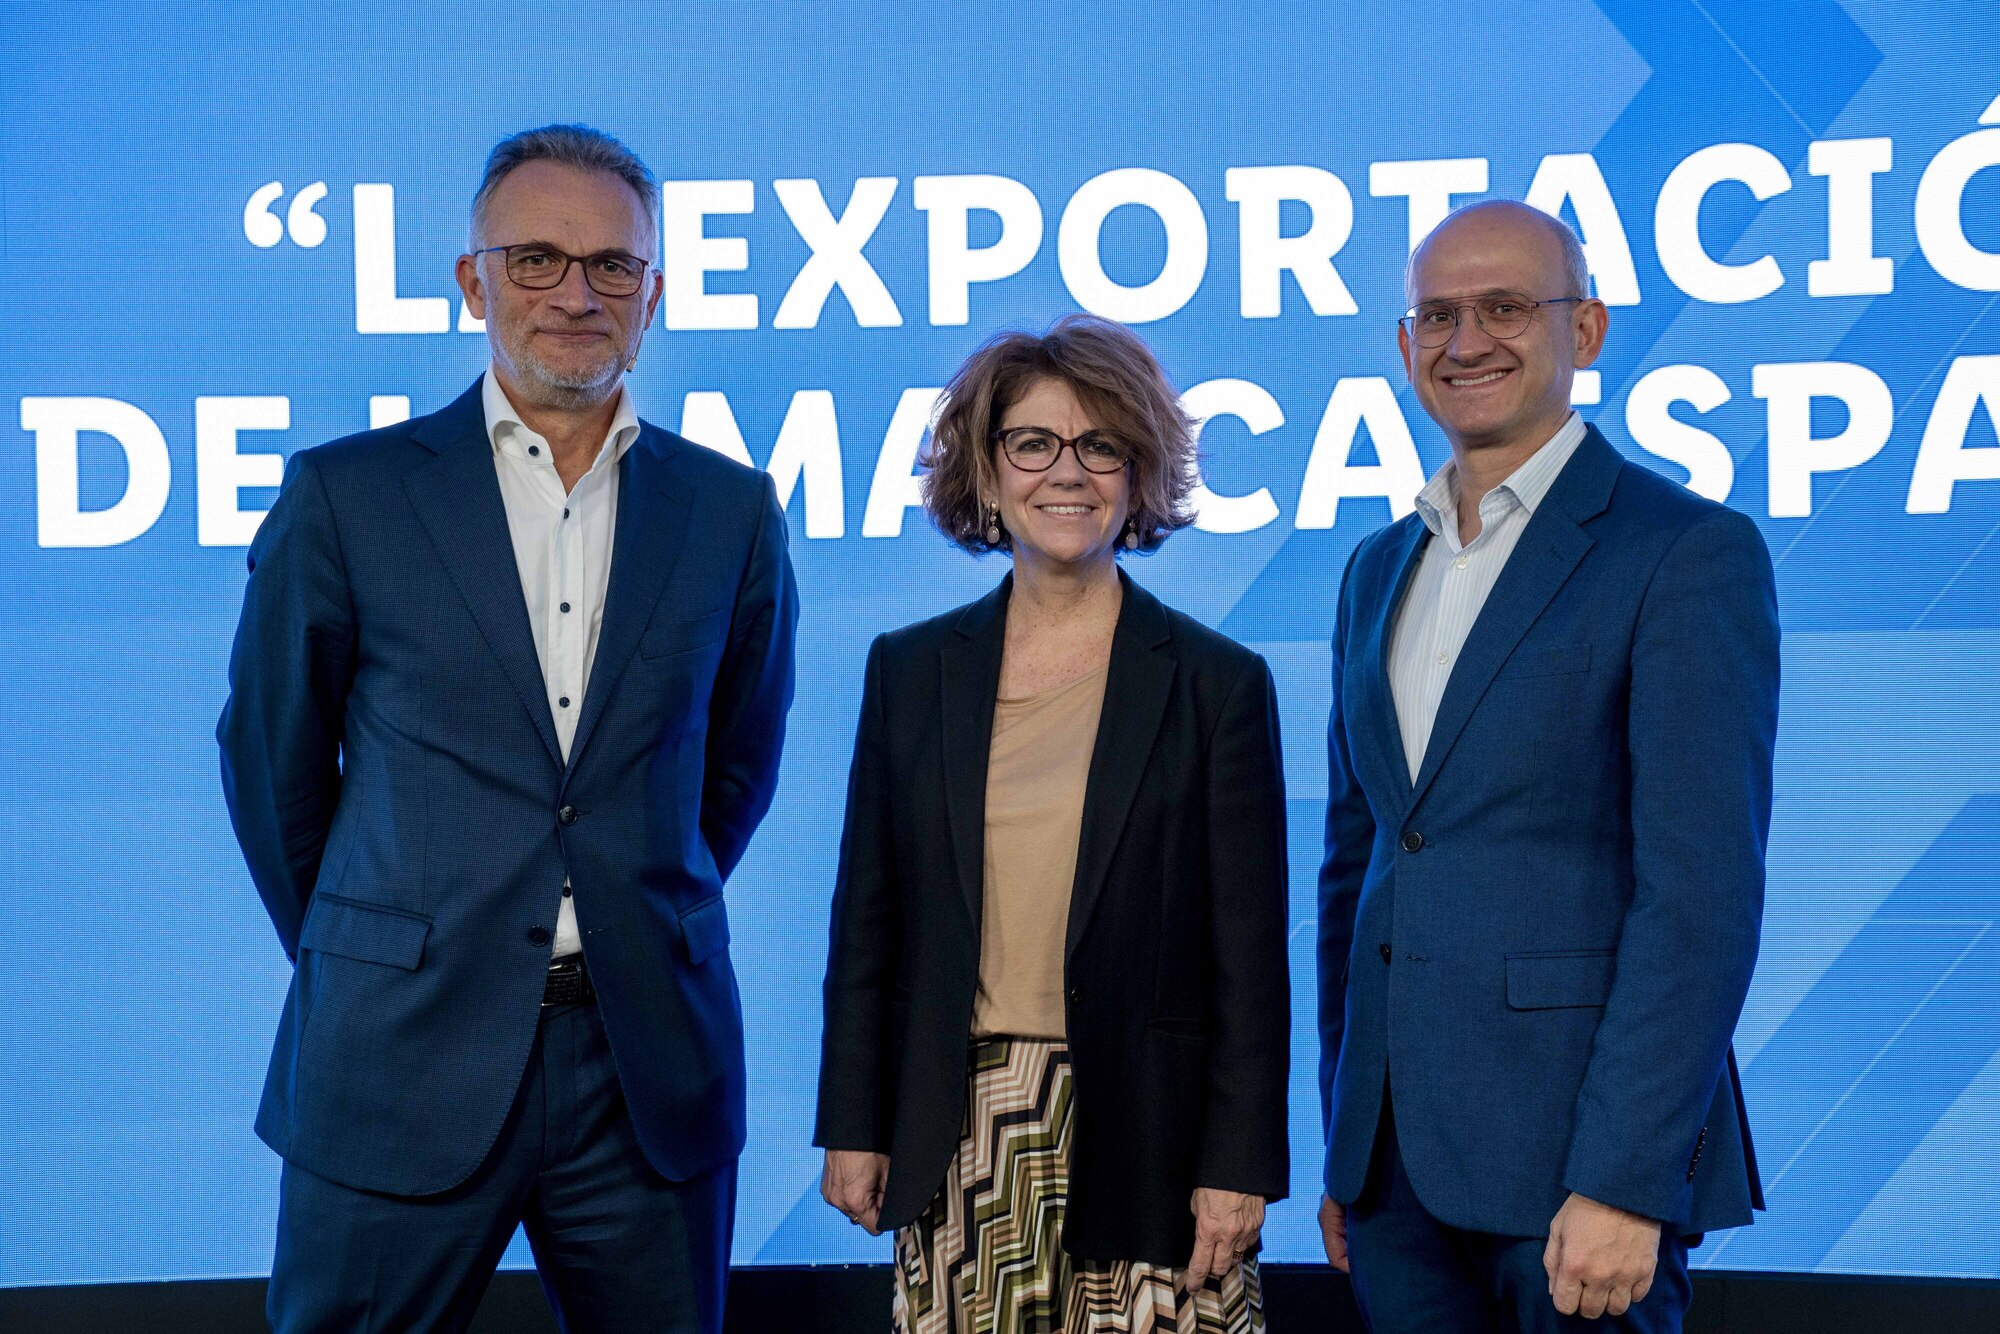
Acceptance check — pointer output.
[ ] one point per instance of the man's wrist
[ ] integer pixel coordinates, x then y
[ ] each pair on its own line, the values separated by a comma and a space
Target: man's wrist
1632, 1214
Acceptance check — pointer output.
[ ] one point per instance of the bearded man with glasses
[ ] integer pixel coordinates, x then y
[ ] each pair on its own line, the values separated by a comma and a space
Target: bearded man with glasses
506, 703
1555, 694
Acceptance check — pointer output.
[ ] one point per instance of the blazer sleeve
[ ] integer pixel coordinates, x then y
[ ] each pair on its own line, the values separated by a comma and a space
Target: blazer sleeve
752, 694
1350, 834
1702, 724
856, 1100
290, 671
1243, 1146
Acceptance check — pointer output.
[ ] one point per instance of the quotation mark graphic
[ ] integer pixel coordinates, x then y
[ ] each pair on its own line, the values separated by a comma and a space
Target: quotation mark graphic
262, 228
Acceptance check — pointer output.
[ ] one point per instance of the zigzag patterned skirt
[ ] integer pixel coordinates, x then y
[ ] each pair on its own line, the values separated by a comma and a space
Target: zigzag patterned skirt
987, 1256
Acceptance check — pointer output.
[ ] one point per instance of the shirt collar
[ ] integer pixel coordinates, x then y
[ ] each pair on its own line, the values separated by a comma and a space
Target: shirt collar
508, 434
1527, 485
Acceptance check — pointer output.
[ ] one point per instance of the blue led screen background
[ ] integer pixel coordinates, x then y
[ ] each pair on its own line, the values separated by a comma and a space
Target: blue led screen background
227, 234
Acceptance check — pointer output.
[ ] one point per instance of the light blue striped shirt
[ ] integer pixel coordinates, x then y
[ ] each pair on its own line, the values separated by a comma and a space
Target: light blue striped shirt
1452, 582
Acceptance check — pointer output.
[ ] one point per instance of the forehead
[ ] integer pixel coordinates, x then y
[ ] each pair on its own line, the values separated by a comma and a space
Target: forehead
1051, 403
1477, 255
579, 210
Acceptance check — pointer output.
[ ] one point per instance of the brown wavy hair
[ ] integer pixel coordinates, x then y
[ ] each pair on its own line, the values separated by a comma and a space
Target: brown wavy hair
1115, 378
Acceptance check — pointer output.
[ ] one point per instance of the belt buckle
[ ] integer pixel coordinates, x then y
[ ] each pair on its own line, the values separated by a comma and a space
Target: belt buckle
568, 982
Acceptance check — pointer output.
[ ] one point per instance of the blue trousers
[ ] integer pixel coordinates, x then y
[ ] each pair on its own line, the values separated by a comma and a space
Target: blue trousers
1416, 1275
618, 1246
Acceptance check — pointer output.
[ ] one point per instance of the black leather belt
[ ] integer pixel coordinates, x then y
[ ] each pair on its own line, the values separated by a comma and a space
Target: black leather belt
569, 983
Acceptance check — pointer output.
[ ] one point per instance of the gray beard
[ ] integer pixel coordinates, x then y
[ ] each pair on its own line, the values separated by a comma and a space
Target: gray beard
564, 392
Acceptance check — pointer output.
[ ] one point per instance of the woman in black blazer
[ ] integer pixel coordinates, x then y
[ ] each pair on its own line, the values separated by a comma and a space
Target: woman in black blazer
1056, 1004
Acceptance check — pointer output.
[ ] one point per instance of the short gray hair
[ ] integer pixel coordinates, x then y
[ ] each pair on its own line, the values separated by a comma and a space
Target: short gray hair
1576, 270
578, 146
1575, 267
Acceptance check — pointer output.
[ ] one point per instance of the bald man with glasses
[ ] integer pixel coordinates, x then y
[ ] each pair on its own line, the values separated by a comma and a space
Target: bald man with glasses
1555, 695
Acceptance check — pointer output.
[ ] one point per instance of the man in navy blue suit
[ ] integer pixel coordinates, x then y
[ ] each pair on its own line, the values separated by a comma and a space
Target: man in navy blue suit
506, 703
1555, 692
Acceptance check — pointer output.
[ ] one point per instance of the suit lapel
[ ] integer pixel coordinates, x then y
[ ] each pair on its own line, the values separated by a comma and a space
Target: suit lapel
457, 498
1135, 700
1382, 745
1550, 548
652, 524
969, 679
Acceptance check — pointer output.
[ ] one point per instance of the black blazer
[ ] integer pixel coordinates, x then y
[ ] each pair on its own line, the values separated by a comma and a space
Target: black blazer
1178, 1000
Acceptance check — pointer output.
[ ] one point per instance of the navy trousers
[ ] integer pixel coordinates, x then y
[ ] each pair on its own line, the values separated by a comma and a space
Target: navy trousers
618, 1246
1415, 1275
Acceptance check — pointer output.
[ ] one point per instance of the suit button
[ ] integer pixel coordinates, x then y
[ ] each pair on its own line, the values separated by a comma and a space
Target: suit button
1413, 842
567, 815
1076, 995
1385, 952
1699, 1141
538, 935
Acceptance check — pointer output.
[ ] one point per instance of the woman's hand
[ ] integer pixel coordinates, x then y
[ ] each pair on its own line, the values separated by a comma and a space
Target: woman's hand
1225, 1226
852, 1183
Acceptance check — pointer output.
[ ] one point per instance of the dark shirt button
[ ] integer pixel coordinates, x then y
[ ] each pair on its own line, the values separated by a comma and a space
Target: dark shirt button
1413, 842
534, 451
564, 701
565, 606
1385, 952
565, 511
565, 891
567, 815
538, 935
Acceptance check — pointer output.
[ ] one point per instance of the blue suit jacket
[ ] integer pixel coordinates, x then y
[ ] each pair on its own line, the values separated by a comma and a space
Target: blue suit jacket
1544, 942
393, 773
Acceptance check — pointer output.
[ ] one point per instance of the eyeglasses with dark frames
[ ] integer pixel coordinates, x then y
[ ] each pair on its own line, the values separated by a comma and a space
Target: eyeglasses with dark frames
539, 267
1501, 314
1036, 449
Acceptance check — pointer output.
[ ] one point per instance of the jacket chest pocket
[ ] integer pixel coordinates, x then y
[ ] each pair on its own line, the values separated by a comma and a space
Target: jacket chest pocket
1560, 660
673, 637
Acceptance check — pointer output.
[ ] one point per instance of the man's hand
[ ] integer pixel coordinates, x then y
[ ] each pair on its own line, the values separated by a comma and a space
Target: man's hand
1600, 1260
852, 1183
1333, 1231
1225, 1226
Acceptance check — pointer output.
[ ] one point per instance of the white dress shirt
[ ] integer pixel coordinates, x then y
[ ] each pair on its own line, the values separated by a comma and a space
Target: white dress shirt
562, 548
1452, 581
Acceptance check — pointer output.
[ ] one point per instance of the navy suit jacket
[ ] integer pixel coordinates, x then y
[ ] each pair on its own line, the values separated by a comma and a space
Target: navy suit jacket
1544, 942
393, 773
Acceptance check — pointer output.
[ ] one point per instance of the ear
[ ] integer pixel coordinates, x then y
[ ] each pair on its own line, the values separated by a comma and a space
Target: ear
659, 286
470, 283
1590, 323
1408, 350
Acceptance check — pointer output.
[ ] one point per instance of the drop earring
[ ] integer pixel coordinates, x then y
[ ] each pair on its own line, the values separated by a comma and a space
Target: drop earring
993, 526
1131, 536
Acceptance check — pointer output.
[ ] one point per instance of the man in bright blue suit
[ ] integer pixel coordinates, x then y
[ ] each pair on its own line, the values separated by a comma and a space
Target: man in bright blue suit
1555, 698
506, 704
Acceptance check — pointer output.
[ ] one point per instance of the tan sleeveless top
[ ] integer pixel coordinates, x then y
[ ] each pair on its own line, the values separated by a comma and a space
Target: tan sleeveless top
1036, 773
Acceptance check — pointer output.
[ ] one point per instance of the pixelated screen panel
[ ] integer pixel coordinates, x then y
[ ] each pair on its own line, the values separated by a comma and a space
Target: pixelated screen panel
229, 235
